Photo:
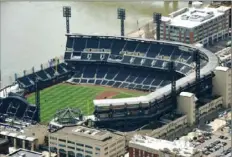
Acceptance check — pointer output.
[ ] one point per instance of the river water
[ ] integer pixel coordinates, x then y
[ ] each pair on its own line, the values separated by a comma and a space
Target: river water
33, 32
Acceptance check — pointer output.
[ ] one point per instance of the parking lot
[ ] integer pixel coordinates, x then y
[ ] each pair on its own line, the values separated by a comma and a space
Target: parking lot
214, 141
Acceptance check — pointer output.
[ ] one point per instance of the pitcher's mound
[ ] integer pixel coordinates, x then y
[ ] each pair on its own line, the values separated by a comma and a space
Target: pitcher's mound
107, 95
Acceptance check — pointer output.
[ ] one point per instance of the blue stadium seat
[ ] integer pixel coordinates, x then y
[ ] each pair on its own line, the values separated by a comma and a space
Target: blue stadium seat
176, 54
154, 50
79, 44
178, 66
147, 63
164, 83
83, 80
110, 83
105, 43
101, 71
137, 61
67, 55
117, 46
117, 84
159, 63
146, 87
89, 71
157, 81
141, 77
76, 54
84, 56
124, 85
96, 56
32, 77
131, 86
25, 81
104, 82
185, 55
60, 69
138, 86
132, 77
112, 72
148, 80
50, 71
130, 46
92, 43
70, 42
42, 75
122, 75
167, 50
76, 80
126, 59
142, 47
91, 81
98, 82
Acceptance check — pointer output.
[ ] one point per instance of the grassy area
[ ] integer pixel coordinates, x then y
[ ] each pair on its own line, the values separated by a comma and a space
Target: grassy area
65, 95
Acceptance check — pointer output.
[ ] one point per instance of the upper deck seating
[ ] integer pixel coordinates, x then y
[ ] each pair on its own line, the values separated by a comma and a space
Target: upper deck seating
142, 47
70, 42
42, 75
92, 43
117, 46
79, 44
154, 50
130, 46
105, 43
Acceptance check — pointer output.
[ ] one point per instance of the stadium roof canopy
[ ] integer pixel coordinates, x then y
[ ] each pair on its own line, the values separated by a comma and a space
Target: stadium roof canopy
67, 116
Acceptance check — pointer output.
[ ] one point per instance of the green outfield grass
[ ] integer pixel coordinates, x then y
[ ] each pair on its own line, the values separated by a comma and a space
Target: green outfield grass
79, 96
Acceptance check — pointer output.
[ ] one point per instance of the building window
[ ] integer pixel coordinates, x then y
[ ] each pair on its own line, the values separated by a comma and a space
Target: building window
71, 142
71, 147
53, 138
61, 140
87, 146
79, 144
97, 148
62, 145
81, 150
89, 152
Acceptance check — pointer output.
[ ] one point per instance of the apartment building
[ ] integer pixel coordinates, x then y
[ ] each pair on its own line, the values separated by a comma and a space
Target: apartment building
80, 141
196, 24
144, 146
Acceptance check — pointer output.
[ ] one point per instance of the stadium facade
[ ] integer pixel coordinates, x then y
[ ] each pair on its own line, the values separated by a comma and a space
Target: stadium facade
134, 64
121, 62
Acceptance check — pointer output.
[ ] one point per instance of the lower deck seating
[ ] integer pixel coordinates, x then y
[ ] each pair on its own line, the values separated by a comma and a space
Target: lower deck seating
118, 76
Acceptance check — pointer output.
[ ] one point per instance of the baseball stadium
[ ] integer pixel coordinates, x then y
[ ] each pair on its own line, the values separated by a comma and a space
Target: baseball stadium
112, 78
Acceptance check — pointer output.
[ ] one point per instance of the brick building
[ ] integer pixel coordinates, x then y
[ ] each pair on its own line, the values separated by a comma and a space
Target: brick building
196, 24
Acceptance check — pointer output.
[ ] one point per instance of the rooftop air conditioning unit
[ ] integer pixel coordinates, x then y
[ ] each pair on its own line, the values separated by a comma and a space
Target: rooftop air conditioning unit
197, 4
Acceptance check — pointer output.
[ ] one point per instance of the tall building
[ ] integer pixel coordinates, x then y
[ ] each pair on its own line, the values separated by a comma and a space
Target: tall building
144, 146
196, 24
80, 141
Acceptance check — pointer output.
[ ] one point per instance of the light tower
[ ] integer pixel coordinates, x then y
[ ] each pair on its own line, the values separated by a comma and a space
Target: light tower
37, 97
157, 20
67, 15
172, 71
122, 17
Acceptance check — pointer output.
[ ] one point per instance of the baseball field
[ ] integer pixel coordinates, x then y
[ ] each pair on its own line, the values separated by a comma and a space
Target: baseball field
65, 95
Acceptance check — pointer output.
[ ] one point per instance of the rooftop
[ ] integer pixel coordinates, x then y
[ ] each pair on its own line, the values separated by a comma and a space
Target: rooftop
74, 132
182, 148
194, 16
29, 133
25, 153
